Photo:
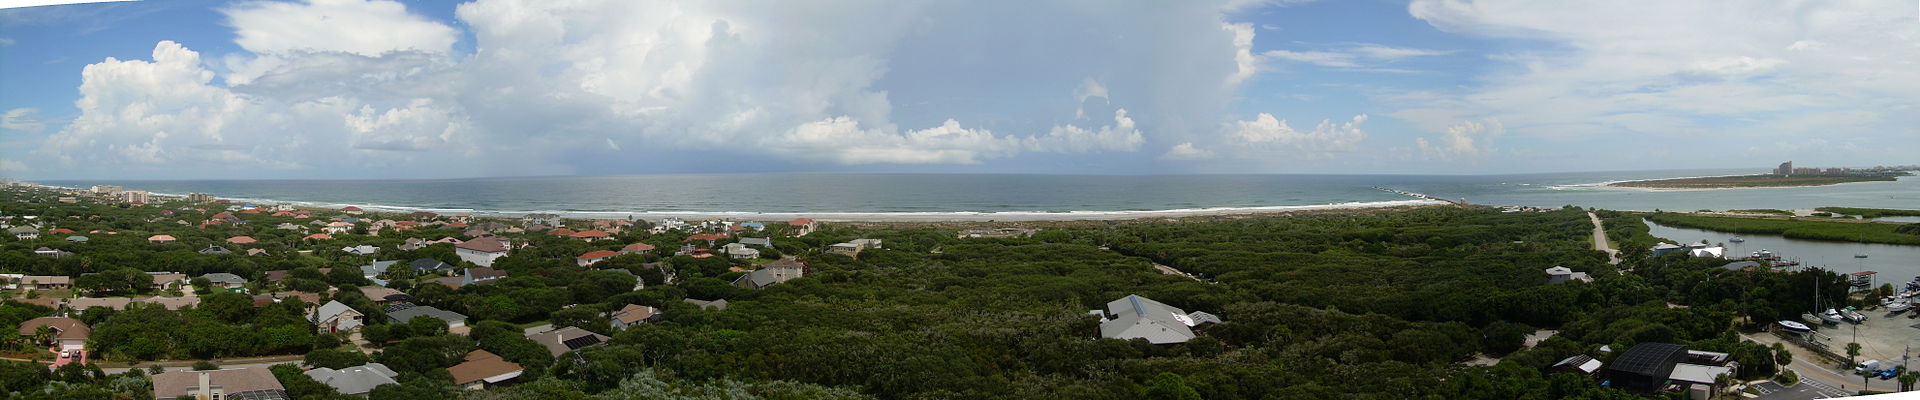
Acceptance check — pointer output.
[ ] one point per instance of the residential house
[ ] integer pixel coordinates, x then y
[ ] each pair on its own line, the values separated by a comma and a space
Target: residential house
361, 250
161, 239
374, 270
564, 232
84, 303
853, 248
355, 381
162, 279
241, 240
42, 282
720, 304
772, 273
594, 257
996, 233
1135, 317
454, 320
634, 314
483, 274
753, 241
50, 252
427, 266
10, 281
226, 384
318, 236
381, 295
637, 248
24, 232
289, 226
480, 368
225, 280
171, 303
256, 252
352, 210
802, 226
211, 249
68, 333
336, 317
412, 244
481, 251
741, 251
77, 239
591, 235
709, 237
542, 219
560, 341
1559, 274
338, 228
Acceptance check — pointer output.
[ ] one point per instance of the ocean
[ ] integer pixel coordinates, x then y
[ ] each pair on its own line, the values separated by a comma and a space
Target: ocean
977, 196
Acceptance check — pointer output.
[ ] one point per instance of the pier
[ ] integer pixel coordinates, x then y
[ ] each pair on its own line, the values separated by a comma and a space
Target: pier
1460, 202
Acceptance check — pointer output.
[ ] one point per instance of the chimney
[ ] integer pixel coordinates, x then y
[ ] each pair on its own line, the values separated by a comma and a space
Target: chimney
206, 385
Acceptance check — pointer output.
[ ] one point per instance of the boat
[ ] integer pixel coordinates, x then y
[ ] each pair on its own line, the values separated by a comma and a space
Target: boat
1832, 317
1900, 307
1795, 326
1854, 316
1737, 239
1811, 319
1860, 255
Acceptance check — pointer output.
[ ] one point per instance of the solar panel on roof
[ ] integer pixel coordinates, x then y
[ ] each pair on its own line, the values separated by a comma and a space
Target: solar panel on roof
583, 341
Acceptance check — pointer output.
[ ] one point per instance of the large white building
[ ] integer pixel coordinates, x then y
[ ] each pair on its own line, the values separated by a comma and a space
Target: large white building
481, 251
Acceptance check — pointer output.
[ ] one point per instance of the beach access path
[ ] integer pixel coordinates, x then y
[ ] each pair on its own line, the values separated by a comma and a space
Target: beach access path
1600, 240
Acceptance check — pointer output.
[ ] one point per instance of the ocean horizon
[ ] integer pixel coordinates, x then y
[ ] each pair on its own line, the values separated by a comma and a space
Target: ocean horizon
853, 196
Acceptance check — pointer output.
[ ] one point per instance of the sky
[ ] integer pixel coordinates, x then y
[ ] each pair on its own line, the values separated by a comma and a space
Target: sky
324, 89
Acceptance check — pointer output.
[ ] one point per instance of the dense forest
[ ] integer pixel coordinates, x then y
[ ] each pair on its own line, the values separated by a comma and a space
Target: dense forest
1368, 304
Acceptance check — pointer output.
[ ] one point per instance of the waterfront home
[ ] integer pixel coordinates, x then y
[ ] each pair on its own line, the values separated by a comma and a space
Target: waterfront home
560, 341
1135, 317
542, 219
633, 314
352, 210
354, 381
236, 383
594, 256
637, 248
480, 368
336, 317
802, 226
161, 239
481, 251
853, 248
740, 251
68, 333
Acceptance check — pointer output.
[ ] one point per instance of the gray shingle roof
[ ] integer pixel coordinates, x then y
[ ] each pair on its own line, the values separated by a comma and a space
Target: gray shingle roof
355, 380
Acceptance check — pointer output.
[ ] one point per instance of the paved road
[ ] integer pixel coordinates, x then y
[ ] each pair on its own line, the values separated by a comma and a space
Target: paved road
230, 363
1600, 240
1807, 365
1802, 391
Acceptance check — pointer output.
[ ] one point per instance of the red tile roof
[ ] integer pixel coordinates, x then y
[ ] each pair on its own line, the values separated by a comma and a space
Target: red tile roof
349, 208
561, 232
706, 236
241, 240
318, 236
637, 247
597, 254
160, 238
57, 231
595, 233
800, 221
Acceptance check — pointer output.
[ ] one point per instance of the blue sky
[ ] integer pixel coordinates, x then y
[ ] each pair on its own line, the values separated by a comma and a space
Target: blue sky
422, 89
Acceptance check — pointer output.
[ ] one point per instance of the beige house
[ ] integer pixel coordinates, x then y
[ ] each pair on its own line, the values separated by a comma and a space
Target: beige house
238, 383
480, 368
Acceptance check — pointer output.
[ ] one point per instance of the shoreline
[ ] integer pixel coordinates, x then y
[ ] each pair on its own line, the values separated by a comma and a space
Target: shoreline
865, 217
1622, 184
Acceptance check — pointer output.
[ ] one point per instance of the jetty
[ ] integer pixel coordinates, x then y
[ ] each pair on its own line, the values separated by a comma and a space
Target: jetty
1461, 202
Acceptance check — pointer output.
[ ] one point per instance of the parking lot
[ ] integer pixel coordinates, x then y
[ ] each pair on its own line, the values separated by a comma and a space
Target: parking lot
1804, 390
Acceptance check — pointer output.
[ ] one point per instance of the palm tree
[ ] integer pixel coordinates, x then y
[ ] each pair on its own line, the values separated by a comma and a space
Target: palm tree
1907, 380
43, 334
1853, 351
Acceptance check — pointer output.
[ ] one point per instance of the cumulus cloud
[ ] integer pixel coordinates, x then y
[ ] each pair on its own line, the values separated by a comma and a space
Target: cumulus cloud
1186, 151
1468, 139
1739, 71
364, 27
351, 84
25, 119
1267, 133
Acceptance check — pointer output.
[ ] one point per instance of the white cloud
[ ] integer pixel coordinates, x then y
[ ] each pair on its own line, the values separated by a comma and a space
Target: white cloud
1466, 140
1380, 52
1736, 71
6, 41
1267, 134
24, 119
13, 166
1368, 56
1245, 64
1186, 151
364, 27
328, 85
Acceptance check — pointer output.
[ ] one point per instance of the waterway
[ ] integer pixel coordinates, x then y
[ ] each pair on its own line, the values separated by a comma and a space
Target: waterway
1896, 263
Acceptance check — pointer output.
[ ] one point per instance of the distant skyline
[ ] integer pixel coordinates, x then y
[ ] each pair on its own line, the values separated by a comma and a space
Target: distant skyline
351, 89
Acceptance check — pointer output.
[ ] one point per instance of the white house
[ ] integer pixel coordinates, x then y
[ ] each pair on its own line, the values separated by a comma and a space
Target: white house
1135, 317
481, 251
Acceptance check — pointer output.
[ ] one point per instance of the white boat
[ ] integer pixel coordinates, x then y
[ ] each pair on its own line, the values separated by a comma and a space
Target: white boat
1832, 316
1854, 316
1737, 239
1860, 255
1900, 307
1795, 326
